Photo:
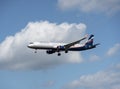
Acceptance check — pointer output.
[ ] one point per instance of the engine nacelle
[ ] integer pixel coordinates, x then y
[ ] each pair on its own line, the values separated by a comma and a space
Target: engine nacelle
50, 51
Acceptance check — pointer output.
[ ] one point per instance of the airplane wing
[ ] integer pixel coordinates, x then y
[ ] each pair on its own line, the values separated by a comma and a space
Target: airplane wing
67, 46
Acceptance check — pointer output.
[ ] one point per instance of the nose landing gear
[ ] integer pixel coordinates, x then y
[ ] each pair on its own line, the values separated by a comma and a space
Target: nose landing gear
35, 51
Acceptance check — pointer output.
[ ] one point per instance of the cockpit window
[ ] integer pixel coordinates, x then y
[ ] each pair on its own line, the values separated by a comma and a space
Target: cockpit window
31, 42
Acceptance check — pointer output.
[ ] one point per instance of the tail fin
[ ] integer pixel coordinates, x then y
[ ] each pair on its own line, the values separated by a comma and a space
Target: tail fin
91, 37
90, 40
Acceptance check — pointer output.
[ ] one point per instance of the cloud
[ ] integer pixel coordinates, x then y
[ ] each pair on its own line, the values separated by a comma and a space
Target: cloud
94, 58
15, 55
48, 84
114, 50
118, 66
106, 6
108, 79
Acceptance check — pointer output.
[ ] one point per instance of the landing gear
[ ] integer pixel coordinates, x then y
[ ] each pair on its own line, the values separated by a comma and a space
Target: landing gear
59, 54
35, 51
66, 51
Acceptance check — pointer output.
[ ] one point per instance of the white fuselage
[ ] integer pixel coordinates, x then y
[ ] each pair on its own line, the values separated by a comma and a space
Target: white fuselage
38, 45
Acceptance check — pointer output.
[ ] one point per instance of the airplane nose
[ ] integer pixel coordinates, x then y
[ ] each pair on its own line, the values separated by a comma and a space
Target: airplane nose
29, 46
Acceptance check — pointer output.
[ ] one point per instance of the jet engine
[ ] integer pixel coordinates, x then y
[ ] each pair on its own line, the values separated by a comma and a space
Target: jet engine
50, 51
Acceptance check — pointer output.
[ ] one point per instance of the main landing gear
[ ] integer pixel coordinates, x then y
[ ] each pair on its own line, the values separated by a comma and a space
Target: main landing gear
66, 51
59, 54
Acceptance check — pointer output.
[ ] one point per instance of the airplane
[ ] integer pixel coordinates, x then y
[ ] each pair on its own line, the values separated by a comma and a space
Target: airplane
59, 47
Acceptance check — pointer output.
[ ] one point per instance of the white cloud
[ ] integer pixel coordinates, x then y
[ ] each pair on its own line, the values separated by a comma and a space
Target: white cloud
48, 84
94, 58
14, 53
106, 6
118, 66
114, 50
108, 79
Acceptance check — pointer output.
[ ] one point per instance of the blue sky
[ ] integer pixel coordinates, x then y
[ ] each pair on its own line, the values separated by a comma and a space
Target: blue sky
20, 20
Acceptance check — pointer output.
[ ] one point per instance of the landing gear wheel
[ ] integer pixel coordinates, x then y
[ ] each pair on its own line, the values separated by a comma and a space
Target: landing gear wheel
66, 51
59, 54
35, 51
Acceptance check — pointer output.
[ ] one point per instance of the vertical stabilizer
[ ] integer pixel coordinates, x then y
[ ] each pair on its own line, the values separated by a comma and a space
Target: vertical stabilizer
90, 40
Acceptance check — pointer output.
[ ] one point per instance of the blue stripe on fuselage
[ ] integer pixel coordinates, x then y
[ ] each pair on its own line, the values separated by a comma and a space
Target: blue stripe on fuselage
77, 48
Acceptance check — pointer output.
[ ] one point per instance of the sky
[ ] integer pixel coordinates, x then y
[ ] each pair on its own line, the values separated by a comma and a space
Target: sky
24, 21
